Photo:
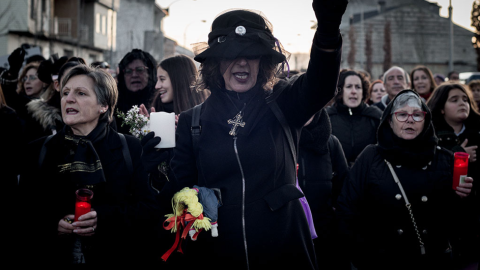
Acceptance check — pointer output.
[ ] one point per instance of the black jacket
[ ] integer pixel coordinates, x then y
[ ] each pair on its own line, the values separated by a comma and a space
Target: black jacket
261, 214
373, 218
468, 248
125, 205
321, 172
355, 128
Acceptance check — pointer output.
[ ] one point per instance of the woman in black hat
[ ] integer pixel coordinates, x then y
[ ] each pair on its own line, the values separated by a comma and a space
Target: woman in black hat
243, 149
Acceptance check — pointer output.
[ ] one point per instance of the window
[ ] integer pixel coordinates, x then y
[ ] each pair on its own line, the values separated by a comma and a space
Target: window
97, 23
104, 25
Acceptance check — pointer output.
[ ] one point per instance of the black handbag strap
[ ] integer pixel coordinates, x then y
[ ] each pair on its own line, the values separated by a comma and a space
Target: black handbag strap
286, 128
271, 101
43, 151
126, 153
196, 128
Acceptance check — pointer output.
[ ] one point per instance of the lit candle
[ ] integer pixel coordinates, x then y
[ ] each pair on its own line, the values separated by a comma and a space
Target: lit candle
81, 208
83, 203
460, 168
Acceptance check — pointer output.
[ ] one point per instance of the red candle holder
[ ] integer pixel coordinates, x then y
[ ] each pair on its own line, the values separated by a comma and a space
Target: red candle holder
460, 168
83, 203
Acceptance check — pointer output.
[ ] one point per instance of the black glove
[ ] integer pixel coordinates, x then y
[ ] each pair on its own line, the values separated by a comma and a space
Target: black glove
151, 156
15, 61
329, 16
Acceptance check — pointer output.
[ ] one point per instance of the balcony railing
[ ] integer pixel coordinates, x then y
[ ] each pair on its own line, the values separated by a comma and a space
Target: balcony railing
62, 27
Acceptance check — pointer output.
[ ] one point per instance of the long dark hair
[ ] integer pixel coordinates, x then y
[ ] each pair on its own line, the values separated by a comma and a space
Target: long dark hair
439, 97
182, 73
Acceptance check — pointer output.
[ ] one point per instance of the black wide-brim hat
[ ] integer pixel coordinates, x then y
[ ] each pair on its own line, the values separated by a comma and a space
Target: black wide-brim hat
240, 33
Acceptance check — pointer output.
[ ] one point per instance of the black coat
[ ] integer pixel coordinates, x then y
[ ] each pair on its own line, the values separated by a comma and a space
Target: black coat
373, 218
261, 214
355, 128
469, 241
321, 172
125, 205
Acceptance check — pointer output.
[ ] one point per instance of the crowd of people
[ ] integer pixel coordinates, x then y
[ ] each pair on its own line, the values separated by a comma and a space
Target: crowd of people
322, 169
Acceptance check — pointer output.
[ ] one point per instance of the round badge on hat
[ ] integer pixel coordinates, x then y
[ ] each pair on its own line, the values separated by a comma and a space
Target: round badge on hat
240, 30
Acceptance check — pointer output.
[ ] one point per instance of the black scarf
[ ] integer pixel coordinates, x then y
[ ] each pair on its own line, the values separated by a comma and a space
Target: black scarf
314, 137
416, 153
83, 163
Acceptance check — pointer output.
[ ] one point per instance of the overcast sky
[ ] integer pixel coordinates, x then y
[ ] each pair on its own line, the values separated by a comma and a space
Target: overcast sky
291, 22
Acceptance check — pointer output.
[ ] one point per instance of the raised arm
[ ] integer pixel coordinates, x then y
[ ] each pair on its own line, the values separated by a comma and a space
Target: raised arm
314, 89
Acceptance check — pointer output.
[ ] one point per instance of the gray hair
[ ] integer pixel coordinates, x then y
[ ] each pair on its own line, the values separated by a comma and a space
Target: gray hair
408, 98
407, 77
104, 85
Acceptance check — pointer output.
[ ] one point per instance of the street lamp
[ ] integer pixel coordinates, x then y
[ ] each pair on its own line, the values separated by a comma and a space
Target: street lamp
450, 60
168, 7
185, 32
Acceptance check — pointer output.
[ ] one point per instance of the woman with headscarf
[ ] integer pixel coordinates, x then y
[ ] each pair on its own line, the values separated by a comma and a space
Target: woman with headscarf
397, 209
137, 74
243, 149
86, 153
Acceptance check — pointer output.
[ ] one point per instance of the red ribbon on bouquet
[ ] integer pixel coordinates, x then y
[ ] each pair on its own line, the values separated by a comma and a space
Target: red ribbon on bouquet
179, 222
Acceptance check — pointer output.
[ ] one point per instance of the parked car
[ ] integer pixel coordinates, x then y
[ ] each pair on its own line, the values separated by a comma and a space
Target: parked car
466, 77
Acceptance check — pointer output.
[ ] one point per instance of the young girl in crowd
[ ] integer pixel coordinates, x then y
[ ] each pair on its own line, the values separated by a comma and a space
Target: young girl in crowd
174, 93
174, 88
457, 125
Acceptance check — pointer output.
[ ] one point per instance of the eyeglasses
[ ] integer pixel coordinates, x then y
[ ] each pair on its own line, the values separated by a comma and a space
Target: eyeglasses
29, 78
139, 70
416, 116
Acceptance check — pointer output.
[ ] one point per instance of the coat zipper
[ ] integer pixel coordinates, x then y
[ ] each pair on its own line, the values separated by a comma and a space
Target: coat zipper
243, 200
351, 128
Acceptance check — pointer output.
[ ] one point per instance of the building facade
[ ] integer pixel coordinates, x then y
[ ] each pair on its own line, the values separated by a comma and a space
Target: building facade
418, 36
83, 28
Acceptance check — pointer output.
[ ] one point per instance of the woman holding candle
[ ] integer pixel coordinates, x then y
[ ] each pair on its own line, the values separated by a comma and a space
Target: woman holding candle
397, 207
457, 124
175, 93
87, 153
261, 223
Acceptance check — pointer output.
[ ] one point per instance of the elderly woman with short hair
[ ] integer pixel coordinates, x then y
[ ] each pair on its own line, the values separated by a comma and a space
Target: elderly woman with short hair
397, 206
87, 153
